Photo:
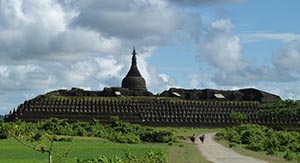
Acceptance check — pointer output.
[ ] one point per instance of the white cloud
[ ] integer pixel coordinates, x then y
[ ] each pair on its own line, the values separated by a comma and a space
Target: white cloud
28, 80
167, 80
223, 25
220, 48
268, 36
197, 3
148, 21
4, 71
201, 80
49, 44
287, 58
94, 73
224, 51
70, 30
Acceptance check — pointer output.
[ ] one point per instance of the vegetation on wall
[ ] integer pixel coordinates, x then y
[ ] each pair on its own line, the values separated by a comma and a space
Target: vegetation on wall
238, 116
78, 99
282, 109
107, 98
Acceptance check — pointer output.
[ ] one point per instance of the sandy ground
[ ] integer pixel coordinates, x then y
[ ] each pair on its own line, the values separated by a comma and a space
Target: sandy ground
217, 153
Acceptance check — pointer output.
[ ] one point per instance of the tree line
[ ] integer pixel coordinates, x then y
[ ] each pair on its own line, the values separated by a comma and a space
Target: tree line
117, 131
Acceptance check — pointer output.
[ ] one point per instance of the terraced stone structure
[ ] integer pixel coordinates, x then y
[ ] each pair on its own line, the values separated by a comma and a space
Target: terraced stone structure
134, 103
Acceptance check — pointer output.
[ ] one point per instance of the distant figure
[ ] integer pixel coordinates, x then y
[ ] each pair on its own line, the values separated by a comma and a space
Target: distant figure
202, 138
193, 138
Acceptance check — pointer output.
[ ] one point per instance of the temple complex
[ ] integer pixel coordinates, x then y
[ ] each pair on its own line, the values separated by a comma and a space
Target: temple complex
132, 102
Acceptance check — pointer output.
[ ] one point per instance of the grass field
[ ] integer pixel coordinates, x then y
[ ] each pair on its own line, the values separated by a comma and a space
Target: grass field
13, 152
84, 147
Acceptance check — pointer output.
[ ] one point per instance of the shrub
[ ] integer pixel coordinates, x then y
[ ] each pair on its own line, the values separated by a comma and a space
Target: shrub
233, 135
150, 157
155, 157
98, 130
112, 159
55, 125
158, 136
255, 146
261, 138
289, 156
124, 127
137, 133
102, 159
4, 130
238, 116
78, 130
37, 136
231, 145
125, 138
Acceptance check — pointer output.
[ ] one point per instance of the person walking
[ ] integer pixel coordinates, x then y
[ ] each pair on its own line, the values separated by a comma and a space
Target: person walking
202, 137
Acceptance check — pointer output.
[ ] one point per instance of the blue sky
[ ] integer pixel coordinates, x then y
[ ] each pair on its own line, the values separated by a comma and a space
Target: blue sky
219, 44
262, 26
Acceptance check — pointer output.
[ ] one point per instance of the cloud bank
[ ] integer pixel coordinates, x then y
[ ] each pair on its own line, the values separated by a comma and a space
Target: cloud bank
52, 44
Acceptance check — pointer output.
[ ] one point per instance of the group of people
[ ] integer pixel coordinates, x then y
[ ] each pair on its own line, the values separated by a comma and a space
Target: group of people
201, 138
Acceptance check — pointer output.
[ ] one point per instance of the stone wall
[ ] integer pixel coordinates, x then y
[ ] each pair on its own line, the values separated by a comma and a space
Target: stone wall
152, 111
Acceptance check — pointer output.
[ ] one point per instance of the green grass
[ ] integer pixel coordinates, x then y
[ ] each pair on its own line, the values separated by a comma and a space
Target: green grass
185, 152
86, 147
13, 152
259, 155
95, 148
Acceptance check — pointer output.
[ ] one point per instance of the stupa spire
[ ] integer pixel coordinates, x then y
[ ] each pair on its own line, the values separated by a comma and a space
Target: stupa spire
133, 60
134, 69
134, 79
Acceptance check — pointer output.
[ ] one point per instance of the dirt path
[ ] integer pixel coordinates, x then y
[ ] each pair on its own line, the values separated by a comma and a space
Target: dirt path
217, 153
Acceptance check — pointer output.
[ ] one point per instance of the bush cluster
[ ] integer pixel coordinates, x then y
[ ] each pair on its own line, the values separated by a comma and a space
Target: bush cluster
261, 138
4, 130
150, 157
117, 131
135, 133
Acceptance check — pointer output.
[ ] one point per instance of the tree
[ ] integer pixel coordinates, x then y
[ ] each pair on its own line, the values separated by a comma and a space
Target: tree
30, 137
